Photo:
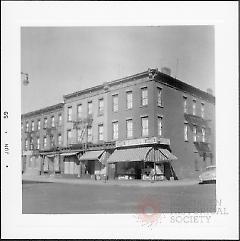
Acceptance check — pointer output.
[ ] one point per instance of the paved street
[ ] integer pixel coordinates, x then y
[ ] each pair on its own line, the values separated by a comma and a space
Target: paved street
45, 197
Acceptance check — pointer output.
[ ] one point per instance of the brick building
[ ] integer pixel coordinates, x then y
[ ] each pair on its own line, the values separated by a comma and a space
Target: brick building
42, 133
147, 121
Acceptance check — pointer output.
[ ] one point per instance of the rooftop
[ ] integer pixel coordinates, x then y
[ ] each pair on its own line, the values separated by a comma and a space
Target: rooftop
43, 110
154, 74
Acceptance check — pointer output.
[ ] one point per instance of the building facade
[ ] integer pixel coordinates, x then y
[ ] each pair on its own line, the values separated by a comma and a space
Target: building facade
168, 124
42, 132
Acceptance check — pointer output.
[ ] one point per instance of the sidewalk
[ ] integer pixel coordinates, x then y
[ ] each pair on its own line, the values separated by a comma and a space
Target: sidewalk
78, 181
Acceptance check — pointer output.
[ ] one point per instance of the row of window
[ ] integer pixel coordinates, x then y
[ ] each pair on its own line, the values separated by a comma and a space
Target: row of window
115, 130
115, 105
194, 133
45, 123
52, 142
193, 107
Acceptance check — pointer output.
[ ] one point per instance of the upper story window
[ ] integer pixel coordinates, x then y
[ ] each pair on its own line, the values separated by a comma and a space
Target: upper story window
59, 139
89, 134
144, 96
100, 132
31, 143
79, 111
185, 132
159, 125
39, 124
129, 124
100, 106
115, 103
159, 96
45, 123
203, 135
129, 95
38, 143
115, 130
33, 125
194, 133
185, 104
44, 142
69, 113
194, 107
60, 119
52, 121
27, 126
144, 121
69, 137
202, 110
52, 141
90, 108
26, 144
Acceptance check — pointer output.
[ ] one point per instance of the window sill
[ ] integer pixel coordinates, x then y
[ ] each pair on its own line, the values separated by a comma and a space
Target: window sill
186, 140
161, 106
142, 106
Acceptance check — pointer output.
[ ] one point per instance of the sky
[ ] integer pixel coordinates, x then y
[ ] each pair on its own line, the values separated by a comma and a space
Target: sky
62, 60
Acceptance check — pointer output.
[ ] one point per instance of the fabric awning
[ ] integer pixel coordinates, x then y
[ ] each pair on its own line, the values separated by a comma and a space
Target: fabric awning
129, 155
160, 155
68, 153
168, 154
91, 155
50, 155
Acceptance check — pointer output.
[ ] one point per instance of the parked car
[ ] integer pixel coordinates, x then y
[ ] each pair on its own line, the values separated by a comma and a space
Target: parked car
208, 176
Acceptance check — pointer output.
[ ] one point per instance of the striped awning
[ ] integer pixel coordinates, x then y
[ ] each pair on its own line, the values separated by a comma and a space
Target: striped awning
129, 155
91, 155
159, 155
69, 153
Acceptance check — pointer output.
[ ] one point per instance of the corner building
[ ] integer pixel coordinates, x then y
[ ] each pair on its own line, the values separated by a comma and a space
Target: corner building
148, 121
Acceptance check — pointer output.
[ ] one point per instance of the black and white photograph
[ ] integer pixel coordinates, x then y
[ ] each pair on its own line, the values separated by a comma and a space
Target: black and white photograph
144, 129
120, 122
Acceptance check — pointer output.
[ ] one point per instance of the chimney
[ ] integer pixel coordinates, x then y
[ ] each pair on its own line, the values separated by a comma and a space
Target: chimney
210, 91
166, 70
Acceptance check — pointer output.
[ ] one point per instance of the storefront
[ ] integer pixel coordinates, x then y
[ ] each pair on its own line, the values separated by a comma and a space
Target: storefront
70, 163
146, 161
93, 163
31, 164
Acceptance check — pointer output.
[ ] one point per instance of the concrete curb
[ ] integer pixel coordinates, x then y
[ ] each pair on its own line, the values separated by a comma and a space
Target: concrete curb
139, 183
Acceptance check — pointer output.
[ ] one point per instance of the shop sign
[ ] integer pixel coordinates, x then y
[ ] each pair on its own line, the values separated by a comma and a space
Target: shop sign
143, 141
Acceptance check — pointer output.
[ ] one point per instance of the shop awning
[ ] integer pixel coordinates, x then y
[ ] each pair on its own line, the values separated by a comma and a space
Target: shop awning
168, 154
68, 153
160, 155
129, 155
50, 155
91, 155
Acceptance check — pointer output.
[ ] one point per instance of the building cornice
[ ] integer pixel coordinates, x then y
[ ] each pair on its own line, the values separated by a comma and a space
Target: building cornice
43, 110
179, 85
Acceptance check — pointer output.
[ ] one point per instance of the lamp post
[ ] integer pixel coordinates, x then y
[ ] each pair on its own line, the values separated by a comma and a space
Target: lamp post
26, 78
